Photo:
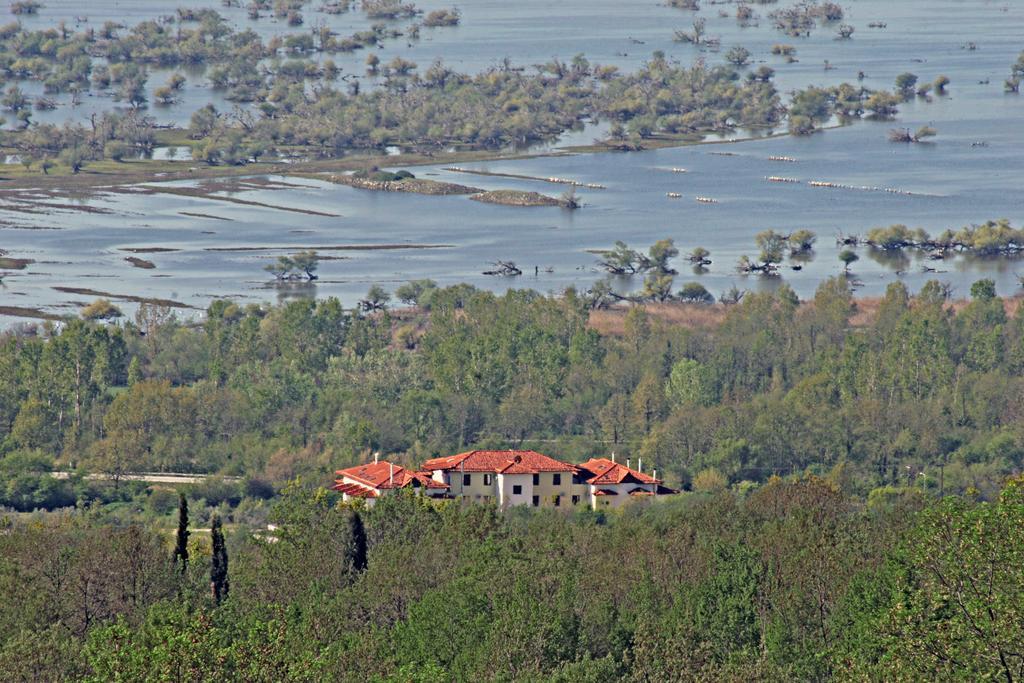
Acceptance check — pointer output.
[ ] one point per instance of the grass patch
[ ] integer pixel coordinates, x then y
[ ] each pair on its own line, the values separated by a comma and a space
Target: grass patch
140, 262
9, 263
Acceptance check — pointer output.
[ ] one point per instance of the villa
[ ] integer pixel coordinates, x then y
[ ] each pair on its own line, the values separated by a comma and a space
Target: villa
507, 478
379, 478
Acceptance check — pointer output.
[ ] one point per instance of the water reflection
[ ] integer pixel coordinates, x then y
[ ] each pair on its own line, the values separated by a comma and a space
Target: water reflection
294, 290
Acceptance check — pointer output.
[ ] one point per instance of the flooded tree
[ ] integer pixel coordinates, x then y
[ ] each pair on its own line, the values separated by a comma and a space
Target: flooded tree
738, 56
801, 241
772, 245
848, 257
699, 257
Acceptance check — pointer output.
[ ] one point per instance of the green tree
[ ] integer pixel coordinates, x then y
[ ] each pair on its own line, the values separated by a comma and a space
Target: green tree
219, 583
357, 548
848, 257
182, 534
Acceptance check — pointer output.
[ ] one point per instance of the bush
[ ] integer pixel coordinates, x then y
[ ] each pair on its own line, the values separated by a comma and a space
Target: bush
101, 309
696, 293
117, 150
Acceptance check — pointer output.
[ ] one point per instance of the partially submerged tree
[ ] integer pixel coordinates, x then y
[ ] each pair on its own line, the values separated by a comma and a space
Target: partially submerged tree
621, 260
699, 257
772, 245
801, 241
300, 265
848, 257
376, 299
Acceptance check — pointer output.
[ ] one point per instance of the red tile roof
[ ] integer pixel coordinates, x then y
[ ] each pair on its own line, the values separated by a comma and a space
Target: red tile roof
383, 475
357, 490
500, 462
602, 471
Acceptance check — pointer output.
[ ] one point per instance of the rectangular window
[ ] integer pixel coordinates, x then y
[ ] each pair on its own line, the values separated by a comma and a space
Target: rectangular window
517, 490
536, 501
487, 480
467, 479
536, 480
556, 479
575, 500
558, 501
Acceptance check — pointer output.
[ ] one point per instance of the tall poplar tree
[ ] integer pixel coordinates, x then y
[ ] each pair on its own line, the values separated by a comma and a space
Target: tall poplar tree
181, 544
219, 562
357, 542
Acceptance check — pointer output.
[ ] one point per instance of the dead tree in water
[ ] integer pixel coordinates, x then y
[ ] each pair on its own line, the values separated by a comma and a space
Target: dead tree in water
505, 268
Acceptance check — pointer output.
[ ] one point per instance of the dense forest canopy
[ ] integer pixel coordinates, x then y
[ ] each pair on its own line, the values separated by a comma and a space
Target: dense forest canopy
910, 389
797, 580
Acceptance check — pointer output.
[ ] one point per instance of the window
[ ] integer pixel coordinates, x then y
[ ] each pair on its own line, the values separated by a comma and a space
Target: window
487, 480
575, 500
517, 490
467, 479
536, 501
556, 479
536, 480
558, 501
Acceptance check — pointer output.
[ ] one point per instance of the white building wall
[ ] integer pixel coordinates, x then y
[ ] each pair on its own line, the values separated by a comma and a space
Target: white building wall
623, 497
506, 482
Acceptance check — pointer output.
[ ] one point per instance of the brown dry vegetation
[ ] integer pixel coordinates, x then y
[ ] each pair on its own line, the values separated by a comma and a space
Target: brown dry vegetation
696, 316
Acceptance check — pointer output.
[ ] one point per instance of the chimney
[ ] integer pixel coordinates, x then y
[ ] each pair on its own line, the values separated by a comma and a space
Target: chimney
654, 474
376, 456
627, 463
640, 465
613, 456
391, 474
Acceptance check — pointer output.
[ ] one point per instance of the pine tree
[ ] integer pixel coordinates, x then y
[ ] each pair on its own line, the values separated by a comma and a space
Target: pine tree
181, 546
219, 562
357, 542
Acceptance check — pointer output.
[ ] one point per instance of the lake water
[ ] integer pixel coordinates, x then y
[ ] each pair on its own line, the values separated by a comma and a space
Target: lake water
954, 181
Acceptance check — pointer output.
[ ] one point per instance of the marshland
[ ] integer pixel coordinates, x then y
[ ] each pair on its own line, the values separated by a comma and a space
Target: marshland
213, 138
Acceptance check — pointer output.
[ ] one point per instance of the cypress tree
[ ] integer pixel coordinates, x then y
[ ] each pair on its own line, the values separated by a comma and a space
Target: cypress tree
181, 547
219, 562
357, 542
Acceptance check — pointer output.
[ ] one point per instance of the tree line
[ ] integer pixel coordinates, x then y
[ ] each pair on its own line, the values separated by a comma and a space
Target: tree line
794, 580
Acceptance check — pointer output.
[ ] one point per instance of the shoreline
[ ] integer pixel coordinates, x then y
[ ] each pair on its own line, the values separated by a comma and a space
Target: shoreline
110, 174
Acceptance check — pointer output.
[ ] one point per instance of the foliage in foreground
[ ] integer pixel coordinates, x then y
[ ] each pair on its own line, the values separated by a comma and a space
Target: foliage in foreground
796, 580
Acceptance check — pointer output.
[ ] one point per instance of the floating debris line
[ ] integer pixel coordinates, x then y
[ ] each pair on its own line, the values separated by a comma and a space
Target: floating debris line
556, 180
678, 170
780, 179
724, 154
673, 195
707, 200
782, 158
867, 188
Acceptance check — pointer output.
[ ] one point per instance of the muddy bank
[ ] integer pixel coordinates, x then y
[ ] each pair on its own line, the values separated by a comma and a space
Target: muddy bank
24, 312
124, 297
140, 262
413, 185
10, 263
517, 198
201, 193
519, 176
194, 214
338, 247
